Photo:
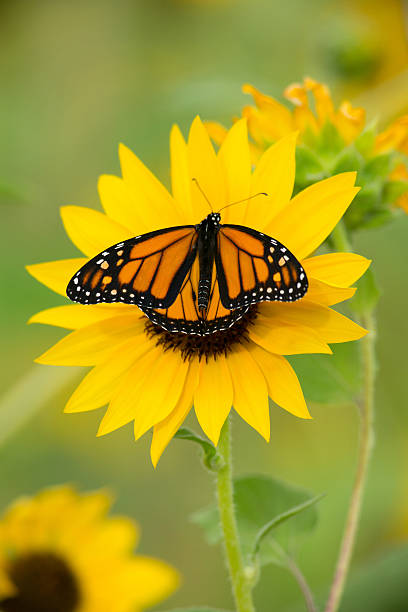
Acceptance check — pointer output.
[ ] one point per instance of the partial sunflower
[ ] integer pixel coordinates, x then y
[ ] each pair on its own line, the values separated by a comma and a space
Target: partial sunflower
332, 140
153, 377
60, 552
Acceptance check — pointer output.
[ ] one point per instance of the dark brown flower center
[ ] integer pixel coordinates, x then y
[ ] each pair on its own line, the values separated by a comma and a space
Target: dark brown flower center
210, 345
44, 583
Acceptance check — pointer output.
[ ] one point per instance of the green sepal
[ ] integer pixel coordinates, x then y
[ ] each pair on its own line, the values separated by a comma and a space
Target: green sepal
212, 460
309, 168
348, 161
394, 190
259, 501
329, 143
378, 166
330, 379
365, 141
367, 294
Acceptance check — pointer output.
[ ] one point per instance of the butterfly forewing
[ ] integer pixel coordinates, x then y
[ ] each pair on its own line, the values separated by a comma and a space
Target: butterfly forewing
253, 267
148, 270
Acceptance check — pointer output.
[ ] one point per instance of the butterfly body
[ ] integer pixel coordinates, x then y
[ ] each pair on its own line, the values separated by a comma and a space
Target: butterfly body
192, 279
207, 232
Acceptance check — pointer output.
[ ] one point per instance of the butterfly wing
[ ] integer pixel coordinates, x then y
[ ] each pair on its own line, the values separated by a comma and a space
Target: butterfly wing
148, 270
184, 316
253, 267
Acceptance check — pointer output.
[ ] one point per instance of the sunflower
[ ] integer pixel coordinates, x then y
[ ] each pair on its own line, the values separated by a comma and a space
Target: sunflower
269, 120
153, 377
325, 133
60, 552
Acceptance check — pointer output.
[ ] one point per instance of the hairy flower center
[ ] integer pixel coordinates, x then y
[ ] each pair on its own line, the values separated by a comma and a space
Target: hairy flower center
211, 345
44, 583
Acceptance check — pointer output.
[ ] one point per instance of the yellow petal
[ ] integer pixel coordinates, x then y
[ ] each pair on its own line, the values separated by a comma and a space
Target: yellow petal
154, 201
235, 161
76, 315
56, 274
283, 385
92, 344
180, 177
121, 409
312, 214
216, 131
339, 269
164, 431
274, 175
213, 396
204, 167
120, 204
156, 399
329, 324
101, 383
349, 121
250, 390
270, 121
282, 338
323, 293
149, 580
148, 394
90, 230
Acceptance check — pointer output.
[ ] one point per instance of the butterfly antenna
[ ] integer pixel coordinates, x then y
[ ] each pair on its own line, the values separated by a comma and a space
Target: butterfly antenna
202, 192
244, 200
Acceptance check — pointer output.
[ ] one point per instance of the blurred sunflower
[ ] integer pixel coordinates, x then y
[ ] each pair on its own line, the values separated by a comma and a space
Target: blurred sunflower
332, 140
60, 552
153, 377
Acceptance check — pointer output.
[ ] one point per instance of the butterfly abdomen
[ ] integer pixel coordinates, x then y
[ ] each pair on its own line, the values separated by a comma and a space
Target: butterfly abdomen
207, 232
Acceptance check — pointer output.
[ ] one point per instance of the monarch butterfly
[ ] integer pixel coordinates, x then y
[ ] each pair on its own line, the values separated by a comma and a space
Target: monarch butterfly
194, 279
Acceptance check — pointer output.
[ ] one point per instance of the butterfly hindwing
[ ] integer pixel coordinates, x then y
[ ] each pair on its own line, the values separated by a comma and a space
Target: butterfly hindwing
253, 267
148, 270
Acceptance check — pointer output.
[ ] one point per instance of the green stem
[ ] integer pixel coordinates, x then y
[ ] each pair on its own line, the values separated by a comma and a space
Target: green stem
366, 406
241, 585
366, 438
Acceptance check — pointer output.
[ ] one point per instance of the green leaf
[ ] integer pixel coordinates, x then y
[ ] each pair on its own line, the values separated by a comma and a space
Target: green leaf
281, 518
330, 379
367, 294
259, 500
212, 459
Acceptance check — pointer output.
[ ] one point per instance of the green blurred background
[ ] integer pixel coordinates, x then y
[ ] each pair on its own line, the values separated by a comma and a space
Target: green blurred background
76, 79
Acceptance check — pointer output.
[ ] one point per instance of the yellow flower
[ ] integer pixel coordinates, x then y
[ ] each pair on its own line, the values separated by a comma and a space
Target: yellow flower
153, 378
313, 109
60, 551
269, 120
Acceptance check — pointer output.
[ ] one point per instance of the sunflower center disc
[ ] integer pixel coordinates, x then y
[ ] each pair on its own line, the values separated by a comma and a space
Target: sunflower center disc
44, 583
210, 345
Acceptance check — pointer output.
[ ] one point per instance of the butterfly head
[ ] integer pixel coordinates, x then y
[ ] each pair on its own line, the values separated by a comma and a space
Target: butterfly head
214, 219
